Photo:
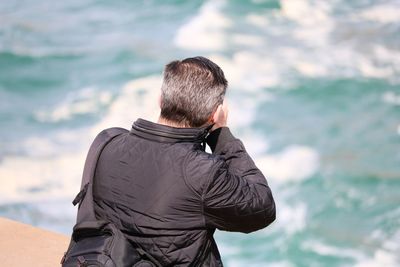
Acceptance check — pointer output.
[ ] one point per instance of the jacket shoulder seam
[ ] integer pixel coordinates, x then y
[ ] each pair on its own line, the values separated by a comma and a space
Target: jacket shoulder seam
209, 181
184, 170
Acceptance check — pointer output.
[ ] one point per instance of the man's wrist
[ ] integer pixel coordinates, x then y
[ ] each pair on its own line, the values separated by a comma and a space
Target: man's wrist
217, 126
217, 138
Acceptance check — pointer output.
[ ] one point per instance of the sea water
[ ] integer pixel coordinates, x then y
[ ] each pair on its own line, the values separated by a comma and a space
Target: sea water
314, 93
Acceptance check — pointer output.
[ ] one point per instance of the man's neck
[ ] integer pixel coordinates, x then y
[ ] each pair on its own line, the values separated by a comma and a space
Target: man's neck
163, 121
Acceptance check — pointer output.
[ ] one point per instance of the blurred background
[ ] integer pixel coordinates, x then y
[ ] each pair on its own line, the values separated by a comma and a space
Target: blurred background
314, 94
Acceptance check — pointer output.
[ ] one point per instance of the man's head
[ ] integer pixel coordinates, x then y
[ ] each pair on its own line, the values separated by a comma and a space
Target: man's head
191, 91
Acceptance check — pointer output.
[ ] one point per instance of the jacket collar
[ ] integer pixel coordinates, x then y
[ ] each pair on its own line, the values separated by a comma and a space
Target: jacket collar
168, 134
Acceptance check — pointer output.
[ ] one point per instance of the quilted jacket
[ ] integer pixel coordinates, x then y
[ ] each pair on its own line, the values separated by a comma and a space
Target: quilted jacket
167, 195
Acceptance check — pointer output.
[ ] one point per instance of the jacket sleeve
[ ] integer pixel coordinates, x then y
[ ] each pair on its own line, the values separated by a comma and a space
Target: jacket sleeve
238, 197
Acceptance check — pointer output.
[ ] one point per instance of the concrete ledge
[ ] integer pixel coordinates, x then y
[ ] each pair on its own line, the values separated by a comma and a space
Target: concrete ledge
25, 245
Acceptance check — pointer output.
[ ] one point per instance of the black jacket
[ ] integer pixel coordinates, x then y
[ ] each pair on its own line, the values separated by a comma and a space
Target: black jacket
165, 193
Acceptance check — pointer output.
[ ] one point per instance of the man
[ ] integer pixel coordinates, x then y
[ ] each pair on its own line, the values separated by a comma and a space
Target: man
160, 187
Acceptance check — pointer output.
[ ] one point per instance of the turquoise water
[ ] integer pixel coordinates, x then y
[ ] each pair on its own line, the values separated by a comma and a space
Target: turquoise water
314, 94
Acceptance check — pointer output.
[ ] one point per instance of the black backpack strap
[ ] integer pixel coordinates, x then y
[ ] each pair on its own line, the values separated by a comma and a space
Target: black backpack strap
85, 196
86, 215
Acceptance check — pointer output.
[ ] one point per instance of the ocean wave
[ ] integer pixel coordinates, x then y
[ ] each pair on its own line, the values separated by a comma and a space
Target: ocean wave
56, 214
204, 31
293, 163
306, 12
292, 218
26, 179
86, 101
323, 249
21, 52
379, 258
391, 98
383, 13
241, 74
138, 98
304, 37
385, 247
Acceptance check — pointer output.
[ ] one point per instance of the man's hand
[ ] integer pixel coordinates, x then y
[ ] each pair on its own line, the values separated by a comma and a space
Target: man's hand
220, 116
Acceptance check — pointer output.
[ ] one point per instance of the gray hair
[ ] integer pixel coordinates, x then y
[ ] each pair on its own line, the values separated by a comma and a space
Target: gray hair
191, 91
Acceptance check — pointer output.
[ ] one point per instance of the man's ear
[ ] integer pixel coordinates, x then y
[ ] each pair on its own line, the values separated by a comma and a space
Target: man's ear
211, 118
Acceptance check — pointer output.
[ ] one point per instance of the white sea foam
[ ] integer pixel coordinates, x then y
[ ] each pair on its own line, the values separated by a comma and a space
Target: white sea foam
138, 98
317, 50
306, 12
328, 250
391, 97
43, 146
292, 218
38, 178
380, 258
249, 71
87, 100
387, 248
312, 17
247, 39
205, 30
294, 163
255, 144
369, 69
310, 69
257, 20
384, 13
50, 167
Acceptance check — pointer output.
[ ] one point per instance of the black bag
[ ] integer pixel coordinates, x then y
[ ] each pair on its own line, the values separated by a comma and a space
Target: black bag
96, 243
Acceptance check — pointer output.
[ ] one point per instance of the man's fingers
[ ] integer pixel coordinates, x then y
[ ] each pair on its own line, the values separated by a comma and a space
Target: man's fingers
225, 104
225, 108
220, 116
217, 113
